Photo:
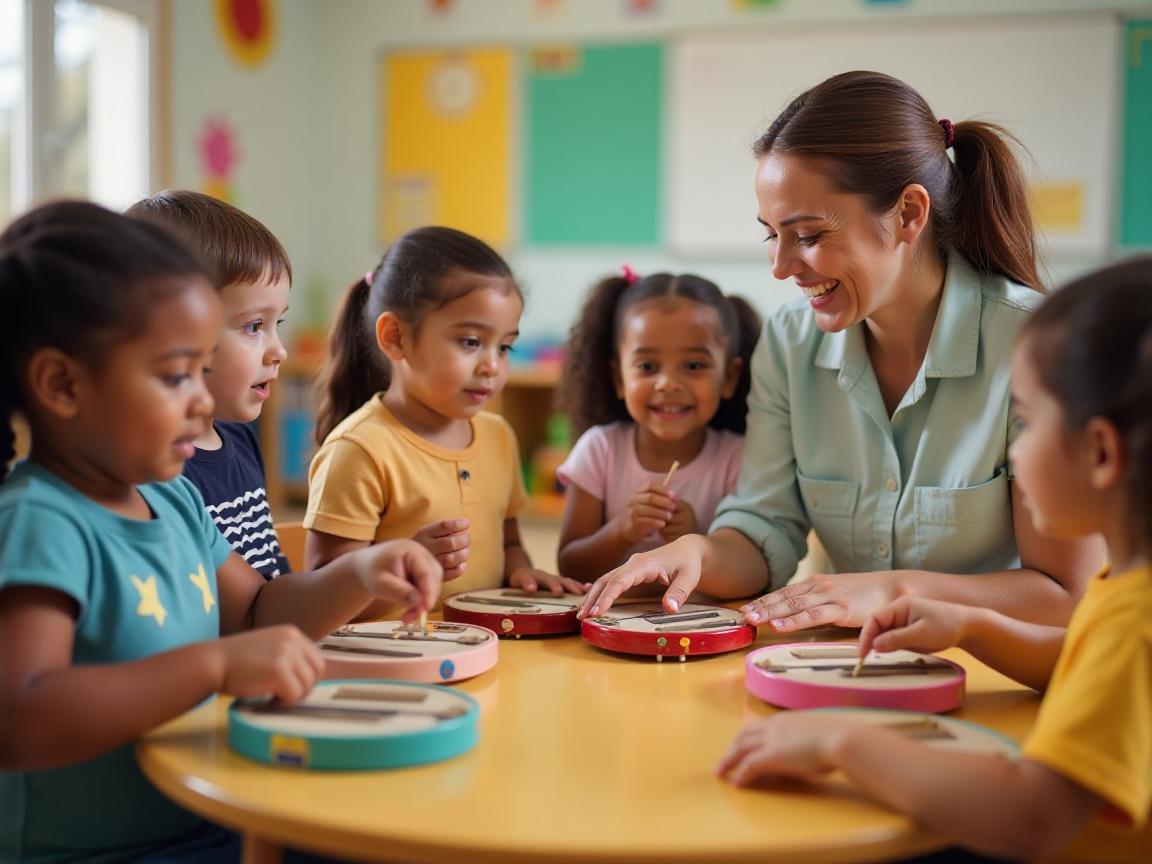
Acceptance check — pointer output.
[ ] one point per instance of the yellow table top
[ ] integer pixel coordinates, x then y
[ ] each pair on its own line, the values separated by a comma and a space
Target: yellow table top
583, 756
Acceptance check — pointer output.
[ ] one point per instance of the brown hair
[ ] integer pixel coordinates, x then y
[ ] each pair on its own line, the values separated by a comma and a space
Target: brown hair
1091, 346
241, 249
876, 135
408, 281
587, 389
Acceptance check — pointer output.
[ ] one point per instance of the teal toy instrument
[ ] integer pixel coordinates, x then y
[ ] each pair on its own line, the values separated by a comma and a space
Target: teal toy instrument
356, 725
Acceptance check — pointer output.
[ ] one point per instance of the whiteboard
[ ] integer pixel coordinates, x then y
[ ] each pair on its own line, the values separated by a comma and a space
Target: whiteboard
1053, 81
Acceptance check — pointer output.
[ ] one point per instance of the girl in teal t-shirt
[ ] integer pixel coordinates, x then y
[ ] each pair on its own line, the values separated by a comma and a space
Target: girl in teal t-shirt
121, 605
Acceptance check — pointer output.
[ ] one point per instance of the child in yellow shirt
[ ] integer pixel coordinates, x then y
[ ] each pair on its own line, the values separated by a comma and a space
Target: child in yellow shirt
1082, 384
418, 348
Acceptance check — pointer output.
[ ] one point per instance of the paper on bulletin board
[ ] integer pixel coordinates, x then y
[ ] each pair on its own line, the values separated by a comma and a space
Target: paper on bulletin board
1057, 208
592, 145
1136, 169
446, 121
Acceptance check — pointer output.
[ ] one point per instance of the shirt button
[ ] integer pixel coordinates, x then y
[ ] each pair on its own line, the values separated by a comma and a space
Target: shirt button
891, 485
882, 550
465, 475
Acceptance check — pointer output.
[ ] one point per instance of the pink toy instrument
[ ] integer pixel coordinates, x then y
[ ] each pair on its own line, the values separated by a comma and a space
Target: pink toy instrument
441, 653
819, 675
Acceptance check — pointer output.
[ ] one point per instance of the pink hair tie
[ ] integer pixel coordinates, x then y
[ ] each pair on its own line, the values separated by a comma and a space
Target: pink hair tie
368, 278
629, 274
949, 132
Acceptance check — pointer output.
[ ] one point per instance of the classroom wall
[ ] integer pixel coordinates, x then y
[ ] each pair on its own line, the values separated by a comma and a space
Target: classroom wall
308, 124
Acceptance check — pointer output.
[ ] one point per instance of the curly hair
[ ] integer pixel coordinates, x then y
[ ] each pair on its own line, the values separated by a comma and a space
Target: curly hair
587, 390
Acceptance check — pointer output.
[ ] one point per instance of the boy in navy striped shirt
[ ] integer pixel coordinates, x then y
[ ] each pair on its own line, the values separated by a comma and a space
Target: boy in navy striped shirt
255, 278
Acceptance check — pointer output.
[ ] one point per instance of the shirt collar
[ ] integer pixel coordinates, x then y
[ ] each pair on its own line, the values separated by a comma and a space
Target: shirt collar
954, 346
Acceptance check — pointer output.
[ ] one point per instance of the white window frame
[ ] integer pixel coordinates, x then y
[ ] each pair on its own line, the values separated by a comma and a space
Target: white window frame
35, 148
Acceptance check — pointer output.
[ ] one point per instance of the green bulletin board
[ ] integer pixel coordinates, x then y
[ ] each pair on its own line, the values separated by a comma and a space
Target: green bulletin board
593, 172
1136, 170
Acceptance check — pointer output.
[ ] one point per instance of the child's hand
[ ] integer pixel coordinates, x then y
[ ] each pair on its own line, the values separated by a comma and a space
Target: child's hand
529, 579
786, 744
915, 624
683, 522
449, 541
649, 509
280, 661
402, 573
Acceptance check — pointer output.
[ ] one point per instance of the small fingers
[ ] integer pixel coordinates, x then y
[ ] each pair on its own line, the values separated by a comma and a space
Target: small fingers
451, 573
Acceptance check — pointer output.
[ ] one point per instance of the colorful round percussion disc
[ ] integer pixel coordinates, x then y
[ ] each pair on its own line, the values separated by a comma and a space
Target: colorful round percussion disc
443, 653
819, 675
646, 628
512, 612
949, 733
354, 725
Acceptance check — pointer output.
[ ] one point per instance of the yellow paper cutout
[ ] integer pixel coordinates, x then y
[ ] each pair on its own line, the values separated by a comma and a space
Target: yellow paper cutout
1057, 206
150, 605
248, 28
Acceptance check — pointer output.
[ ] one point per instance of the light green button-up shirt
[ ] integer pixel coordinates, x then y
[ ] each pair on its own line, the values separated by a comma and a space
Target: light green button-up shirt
926, 489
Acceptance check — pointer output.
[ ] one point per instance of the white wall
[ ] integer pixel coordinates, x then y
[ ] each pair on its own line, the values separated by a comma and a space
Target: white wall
270, 108
308, 122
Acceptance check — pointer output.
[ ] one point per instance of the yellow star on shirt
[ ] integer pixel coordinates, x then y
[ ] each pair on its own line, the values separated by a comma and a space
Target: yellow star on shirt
200, 580
150, 604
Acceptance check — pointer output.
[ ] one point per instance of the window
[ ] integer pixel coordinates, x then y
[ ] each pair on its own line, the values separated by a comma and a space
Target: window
74, 101
11, 87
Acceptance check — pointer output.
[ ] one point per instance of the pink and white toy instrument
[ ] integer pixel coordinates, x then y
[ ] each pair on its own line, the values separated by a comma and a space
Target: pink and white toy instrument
819, 675
442, 653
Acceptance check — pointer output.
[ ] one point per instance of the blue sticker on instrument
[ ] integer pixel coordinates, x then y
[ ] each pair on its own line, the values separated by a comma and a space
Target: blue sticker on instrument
446, 669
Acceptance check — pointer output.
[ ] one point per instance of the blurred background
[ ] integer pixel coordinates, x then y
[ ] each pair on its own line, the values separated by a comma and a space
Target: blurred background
574, 135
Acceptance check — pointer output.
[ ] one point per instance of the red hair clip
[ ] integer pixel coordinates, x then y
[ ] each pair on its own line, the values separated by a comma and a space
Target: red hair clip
949, 132
629, 274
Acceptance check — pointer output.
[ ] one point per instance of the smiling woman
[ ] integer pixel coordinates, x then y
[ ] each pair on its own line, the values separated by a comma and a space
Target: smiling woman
879, 414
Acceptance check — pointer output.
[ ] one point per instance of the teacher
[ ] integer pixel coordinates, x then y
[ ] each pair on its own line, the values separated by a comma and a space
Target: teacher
880, 414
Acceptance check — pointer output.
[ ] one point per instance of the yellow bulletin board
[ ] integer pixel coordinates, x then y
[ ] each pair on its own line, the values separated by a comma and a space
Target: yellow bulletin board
445, 132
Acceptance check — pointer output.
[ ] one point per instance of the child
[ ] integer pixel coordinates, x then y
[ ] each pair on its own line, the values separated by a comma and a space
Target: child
115, 586
1082, 384
255, 276
658, 375
431, 327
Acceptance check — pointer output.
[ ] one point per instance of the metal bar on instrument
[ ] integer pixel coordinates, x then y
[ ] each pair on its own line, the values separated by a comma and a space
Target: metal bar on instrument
380, 652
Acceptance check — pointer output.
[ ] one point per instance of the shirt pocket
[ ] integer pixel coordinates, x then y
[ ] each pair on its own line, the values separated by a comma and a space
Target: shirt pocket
831, 506
958, 530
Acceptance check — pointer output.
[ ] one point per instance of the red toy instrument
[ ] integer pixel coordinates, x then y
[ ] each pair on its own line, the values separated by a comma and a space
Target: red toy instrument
646, 628
512, 612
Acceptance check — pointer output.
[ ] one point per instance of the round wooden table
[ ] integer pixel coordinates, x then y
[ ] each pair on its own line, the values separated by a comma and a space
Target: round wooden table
584, 756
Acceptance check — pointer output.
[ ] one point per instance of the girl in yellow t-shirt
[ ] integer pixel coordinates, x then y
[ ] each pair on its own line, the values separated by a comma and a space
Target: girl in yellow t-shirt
1082, 384
418, 348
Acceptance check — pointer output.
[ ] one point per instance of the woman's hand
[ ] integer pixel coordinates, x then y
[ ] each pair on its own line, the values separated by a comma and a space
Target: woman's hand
449, 541
676, 565
787, 744
823, 600
401, 573
916, 624
649, 510
530, 579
